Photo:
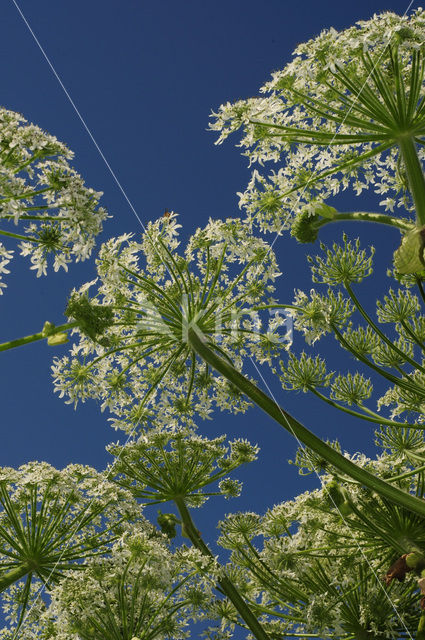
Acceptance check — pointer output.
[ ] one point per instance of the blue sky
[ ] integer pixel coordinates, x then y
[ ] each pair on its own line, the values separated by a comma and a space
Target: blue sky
145, 76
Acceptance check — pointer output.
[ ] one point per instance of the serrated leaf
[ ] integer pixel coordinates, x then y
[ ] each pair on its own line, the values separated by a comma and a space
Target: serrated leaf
409, 257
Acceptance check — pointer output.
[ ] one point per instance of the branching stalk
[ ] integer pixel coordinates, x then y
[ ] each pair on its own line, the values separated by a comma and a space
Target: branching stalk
12, 576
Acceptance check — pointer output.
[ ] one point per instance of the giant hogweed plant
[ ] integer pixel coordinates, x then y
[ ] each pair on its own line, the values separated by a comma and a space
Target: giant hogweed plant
162, 336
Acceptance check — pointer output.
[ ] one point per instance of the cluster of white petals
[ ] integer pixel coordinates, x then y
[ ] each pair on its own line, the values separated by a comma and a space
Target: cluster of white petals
50, 522
329, 120
140, 590
138, 360
44, 203
316, 562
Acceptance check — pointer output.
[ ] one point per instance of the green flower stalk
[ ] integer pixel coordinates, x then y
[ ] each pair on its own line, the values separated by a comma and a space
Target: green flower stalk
134, 354
347, 111
306, 225
44, 203
161, 466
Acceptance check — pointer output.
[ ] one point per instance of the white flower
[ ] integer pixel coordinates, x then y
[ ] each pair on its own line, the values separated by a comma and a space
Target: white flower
43, 201
134, 353
332, 119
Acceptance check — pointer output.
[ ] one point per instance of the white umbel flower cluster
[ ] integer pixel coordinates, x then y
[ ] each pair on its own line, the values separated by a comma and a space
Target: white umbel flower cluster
138, 591
331, 119
44, 204
134, 353
316, 563
50, 522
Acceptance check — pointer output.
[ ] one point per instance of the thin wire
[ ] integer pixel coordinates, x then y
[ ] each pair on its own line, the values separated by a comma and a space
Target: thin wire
323, 485
83, 122
118, 183
93, 139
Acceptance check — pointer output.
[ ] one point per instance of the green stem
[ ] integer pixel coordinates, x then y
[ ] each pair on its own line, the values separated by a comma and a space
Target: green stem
408, 474
12, 576
421, 288
415, 338
36, 336
373, 417
25, 216
28, 194
301, 433
382, 335
18, 236
365, 216
225, 583
415, 176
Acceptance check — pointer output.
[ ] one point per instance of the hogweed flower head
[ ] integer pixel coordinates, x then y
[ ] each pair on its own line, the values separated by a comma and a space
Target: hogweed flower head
51, 521
162, 466
351, 388
400, 306
304, 373
43, 201
316, 314
134, 349
343, 264
345, 112
141, 590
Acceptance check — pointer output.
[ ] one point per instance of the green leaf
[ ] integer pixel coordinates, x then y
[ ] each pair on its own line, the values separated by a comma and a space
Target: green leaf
409, 257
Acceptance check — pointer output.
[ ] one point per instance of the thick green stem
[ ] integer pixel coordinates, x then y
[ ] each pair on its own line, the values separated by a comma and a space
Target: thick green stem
415, 176
365, 216
225, 583
12, 576
36, 336
301, 433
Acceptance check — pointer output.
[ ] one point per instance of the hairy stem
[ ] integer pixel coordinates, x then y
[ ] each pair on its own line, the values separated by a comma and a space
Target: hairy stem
365, 216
